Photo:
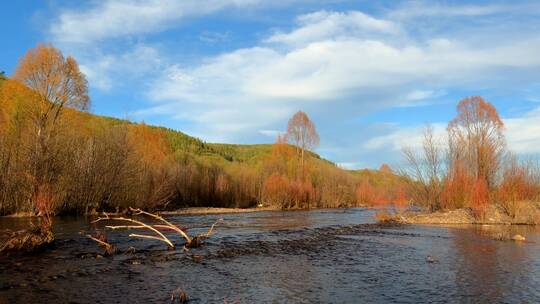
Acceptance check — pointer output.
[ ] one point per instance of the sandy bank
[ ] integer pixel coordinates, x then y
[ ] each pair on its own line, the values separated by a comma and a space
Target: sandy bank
495, 215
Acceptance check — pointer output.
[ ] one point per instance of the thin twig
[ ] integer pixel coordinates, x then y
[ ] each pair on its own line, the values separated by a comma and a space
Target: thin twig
211, 230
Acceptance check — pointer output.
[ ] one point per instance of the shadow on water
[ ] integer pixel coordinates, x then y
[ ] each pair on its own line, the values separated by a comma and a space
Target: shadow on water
325, 256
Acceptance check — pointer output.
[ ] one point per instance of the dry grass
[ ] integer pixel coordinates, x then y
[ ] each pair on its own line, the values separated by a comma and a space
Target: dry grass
385, 217
34, 239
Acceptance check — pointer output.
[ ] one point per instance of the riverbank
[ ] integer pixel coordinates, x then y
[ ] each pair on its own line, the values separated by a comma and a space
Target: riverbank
495, 215
214, 210
182, 211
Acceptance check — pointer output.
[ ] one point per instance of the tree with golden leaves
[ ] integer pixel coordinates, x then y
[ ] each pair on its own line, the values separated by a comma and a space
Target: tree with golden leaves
476, 139
303, 134
58, 83
56, 79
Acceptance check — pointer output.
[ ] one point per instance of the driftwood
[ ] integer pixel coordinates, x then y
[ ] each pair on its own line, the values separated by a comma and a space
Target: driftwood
194, 242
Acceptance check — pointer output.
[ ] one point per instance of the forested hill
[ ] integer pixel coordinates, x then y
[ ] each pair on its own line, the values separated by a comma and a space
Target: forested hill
79, 162
183, 143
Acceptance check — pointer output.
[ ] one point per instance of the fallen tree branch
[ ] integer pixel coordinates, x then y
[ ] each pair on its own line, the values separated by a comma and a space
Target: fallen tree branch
140, 225
190, 242
167, 225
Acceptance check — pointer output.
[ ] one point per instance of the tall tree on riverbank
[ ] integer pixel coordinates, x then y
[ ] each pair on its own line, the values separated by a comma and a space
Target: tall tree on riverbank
476, 139
303, 134
58, 83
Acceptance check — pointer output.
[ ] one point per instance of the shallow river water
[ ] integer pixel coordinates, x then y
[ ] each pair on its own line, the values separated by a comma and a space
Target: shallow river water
322, 256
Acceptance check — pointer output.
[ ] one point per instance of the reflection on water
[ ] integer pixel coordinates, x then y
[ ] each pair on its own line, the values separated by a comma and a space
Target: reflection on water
496, 271
321, 256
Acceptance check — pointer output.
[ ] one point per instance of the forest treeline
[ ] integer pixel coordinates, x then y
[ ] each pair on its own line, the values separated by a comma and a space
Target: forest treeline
55, 157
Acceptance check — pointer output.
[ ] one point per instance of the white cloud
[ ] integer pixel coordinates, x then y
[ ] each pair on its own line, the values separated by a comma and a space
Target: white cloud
523, 133
113, 18
416, 9
271, 133
106, 71
334, 69
324, 25
350, 63
420, 94
264, 84
401, 137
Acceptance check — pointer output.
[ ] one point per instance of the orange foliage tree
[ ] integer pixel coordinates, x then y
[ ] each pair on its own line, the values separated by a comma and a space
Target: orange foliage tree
476, 139
400, 199
386, 168
479, 199
152, 158
276, 191
456, 188
58, 83
365, 193
519, 184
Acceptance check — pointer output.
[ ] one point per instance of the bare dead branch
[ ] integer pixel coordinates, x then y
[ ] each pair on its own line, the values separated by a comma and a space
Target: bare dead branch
190, 242
160, 237
167, 225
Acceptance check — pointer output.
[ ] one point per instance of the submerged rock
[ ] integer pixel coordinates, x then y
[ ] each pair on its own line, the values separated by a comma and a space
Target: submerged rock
431, 259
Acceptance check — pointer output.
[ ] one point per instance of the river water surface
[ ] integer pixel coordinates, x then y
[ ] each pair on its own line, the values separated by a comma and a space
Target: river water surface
322, 256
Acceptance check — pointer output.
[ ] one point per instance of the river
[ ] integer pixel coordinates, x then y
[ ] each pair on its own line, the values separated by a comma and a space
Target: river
320, 256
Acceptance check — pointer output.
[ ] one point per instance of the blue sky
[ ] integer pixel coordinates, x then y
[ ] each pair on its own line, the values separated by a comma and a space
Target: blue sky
370, 74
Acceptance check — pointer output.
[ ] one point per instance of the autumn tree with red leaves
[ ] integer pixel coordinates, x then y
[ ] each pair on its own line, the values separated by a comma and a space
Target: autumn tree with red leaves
365, 193
276, 190
476, 138
385, 168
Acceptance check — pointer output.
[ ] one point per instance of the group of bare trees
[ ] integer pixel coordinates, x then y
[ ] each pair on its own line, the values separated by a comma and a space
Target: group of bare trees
471, 167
